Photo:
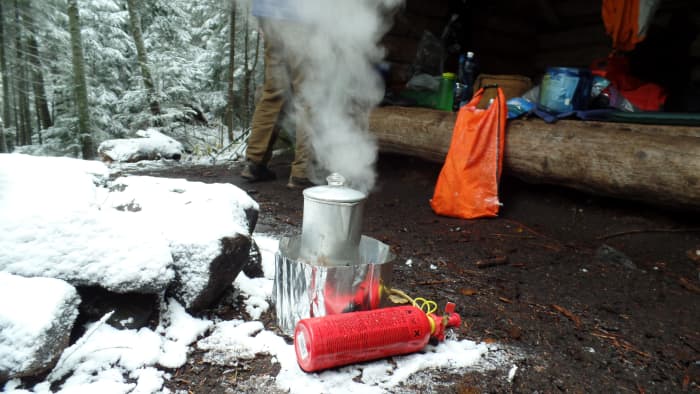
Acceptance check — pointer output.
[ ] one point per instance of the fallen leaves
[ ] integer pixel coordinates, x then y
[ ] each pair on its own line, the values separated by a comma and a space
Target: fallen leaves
492, 262
568, 314
620, 343
686, 383
468, 292
685, 283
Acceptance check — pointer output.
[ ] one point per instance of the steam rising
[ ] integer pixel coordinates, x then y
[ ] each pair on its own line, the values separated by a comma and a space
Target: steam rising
341, 84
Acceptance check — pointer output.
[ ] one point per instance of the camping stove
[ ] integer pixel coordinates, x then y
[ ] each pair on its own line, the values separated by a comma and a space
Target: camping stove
331, 268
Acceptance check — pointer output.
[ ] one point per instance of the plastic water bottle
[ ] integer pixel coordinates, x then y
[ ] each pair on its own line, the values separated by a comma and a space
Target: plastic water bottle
446, 92
467, 76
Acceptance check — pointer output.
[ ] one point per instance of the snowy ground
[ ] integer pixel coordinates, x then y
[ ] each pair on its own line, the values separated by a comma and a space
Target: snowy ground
108, 360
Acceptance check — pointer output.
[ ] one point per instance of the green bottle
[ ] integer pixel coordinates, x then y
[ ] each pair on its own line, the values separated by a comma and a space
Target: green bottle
446, 92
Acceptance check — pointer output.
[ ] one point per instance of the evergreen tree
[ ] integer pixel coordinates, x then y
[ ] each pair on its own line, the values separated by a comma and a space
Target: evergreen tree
37, 71
199, 59
5, 85
80, 84
230, 97
24, 131
142, 56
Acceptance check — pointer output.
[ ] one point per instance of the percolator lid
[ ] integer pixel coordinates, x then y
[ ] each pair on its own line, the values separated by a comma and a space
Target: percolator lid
335, 191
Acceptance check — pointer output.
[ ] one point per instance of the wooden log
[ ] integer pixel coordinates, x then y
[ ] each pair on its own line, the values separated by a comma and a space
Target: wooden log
650, 163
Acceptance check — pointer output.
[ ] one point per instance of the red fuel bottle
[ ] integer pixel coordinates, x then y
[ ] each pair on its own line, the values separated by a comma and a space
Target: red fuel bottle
366, 297
336, 340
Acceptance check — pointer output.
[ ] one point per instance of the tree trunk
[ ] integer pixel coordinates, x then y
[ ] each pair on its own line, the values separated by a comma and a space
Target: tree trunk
37, 71
656, 164
20, 73
5, 83
246, 80
255, 66
15, 111
142, 56
249, 86
3, 141
230, 104
79, 82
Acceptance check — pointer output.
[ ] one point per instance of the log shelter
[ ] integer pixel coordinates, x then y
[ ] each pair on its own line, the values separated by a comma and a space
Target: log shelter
658, 163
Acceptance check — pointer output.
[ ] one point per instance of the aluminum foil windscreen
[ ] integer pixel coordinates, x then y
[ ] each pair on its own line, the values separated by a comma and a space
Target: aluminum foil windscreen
305, 289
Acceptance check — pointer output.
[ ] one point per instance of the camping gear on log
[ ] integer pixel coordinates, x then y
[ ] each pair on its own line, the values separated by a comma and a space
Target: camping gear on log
646, 96
336, 340
565, 89
446, 92
468, 183
466, 76
651, 163
331, 268
513, 86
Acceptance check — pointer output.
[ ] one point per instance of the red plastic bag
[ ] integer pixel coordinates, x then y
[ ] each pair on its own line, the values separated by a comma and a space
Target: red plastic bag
468, 183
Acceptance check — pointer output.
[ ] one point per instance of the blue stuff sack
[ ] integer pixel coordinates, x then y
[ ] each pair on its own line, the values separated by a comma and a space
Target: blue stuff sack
565, 89
518, 106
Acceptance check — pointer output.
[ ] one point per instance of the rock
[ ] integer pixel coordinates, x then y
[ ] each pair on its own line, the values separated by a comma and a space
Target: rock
36, 320
253, 268
137, 236
207, 226
608, 254
199, 286
151, 146
131, 311
115, 257
53, 225
251, 215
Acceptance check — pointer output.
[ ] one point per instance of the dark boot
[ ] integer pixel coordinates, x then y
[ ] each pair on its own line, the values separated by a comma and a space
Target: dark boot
298, 183
257, 172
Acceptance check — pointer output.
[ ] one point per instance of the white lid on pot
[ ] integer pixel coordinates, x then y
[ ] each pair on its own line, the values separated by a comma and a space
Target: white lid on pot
335, 191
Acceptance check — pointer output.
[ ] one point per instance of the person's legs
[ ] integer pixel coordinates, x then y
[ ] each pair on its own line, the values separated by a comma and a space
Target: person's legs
302, 153
268, 112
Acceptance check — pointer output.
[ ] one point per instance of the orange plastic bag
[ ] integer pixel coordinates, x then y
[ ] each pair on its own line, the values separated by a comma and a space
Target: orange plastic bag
468, 183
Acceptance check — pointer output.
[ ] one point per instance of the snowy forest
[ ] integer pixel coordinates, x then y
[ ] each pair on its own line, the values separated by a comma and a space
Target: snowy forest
78, 72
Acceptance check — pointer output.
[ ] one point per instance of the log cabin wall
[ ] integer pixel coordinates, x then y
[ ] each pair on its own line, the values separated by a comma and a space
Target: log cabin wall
571, 35
526, 36
410, 23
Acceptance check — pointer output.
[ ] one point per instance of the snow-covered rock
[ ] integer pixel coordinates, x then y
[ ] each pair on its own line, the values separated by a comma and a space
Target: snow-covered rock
36, 319
134, 234
208, 259
151, 145
54, 225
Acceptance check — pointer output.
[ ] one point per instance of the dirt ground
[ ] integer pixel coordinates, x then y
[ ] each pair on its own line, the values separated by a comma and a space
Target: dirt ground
601, 295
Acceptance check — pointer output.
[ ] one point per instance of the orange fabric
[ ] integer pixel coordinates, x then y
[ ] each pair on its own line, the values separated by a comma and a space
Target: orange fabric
644, 95
468, 183
621, 19
647, 97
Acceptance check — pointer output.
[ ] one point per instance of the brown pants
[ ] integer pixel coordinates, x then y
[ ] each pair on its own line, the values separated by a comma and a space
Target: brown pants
283, 78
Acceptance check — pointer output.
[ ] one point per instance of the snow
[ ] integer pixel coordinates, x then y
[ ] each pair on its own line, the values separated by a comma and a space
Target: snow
151, 144
51, 207
214, 211
110, 360
24, 325
139, 228
511, 373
